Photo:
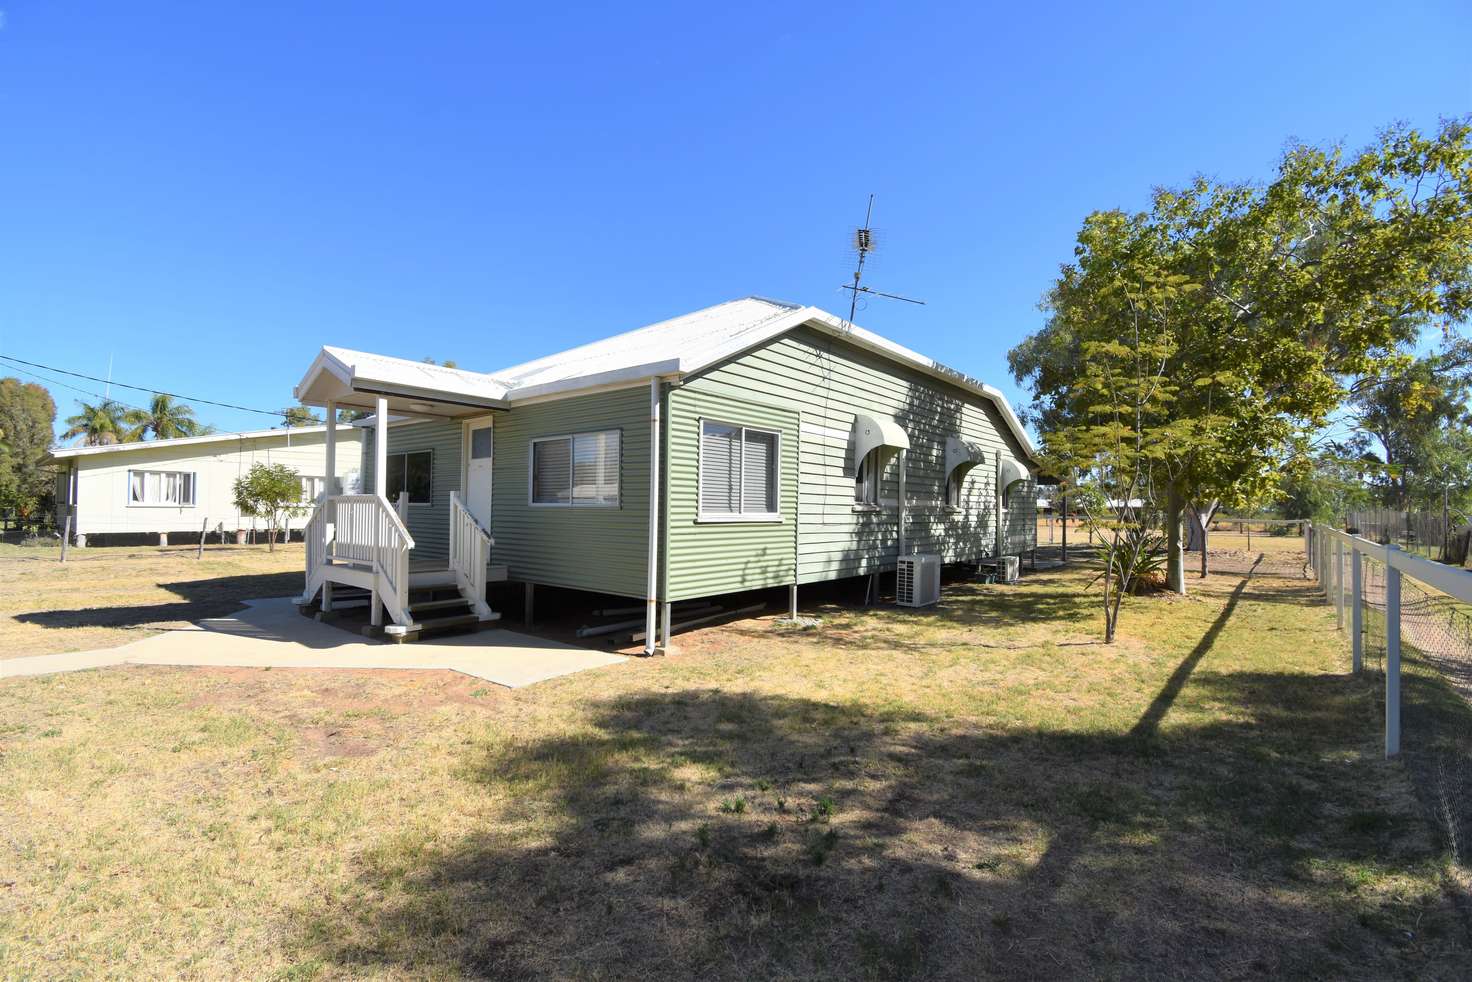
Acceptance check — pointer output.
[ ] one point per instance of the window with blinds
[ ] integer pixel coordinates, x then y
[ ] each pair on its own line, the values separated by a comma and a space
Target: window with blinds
738, 472
161, 488
578, 470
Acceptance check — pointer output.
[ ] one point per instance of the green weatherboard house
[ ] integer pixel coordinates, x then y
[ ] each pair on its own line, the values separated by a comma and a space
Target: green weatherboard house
752, 444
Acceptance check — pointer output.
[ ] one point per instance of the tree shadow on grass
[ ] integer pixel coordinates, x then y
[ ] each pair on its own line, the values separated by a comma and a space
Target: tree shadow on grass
722, 834
202, 598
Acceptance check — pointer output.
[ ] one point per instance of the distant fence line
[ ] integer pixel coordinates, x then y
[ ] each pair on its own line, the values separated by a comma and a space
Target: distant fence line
1423, 532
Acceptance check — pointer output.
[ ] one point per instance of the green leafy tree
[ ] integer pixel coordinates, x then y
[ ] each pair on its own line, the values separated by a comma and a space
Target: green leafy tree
1114, 433
164, 419
301, 416
1284, 293
98, 424
1417, 426
1324, 487
27, 419
272, 492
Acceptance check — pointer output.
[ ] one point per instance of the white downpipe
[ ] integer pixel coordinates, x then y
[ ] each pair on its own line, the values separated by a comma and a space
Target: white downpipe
903, 462
652, 603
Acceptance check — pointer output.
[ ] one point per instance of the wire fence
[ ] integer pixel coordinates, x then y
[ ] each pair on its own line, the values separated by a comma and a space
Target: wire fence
1410, 625
1423, 533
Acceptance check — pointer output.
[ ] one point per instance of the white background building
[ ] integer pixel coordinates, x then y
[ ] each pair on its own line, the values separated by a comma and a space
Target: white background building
179, 486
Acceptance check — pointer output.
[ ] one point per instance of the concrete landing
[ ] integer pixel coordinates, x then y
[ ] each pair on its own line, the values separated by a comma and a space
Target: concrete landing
271, 634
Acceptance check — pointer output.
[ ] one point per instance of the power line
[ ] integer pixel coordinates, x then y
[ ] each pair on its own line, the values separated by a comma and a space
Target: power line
141, 388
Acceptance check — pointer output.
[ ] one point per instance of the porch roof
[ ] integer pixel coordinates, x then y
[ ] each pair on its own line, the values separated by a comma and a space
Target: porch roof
357, 378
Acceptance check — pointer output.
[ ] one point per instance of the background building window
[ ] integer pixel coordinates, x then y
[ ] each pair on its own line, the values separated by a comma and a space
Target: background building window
413, 472
312, 487
161, 488
738, 471
581, 469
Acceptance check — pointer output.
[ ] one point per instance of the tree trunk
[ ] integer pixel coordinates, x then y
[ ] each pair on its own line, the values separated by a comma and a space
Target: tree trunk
1175, 560
271, 535
1199, 527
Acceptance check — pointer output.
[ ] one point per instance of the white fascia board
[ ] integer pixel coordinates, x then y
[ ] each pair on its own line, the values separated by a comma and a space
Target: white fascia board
573, 386
324, 362
185, 441
898, 352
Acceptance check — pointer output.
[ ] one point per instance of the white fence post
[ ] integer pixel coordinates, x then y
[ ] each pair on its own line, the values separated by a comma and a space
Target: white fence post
1392, 653
1357, 614
1339, 582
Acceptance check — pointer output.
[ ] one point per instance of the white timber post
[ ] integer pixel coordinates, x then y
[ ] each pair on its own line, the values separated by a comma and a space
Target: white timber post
1339, 581
380, 487
1357, 612
380, 448
330, 484
792, 602
1392, 651
652, 586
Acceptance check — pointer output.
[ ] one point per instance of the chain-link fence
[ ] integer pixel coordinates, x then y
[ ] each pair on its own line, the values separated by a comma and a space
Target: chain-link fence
1410, 625
1421, 532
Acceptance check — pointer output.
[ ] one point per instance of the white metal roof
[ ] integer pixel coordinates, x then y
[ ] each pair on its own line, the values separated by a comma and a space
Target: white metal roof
184, 441
680, 346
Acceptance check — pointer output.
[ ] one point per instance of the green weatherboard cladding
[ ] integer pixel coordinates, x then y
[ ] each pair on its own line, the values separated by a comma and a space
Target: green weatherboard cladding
805, 386
428, 524
712, 557
603, 549
826, 381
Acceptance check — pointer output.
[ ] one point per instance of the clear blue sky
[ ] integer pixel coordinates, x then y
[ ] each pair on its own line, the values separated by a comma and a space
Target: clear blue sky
209, 192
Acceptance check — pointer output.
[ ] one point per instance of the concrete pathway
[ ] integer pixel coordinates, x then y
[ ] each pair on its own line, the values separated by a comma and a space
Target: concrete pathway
271, 634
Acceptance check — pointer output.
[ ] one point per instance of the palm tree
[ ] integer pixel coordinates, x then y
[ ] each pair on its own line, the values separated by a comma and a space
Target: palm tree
98, 424
164, 419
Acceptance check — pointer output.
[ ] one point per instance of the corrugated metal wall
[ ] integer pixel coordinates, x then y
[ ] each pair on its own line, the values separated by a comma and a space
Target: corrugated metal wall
585, 548
429, 524
711, 558
827, 381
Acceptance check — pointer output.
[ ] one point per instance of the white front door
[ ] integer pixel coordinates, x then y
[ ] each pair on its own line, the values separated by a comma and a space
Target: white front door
478, 472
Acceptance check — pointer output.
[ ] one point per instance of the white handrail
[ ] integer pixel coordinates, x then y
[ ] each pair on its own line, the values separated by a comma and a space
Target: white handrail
314, 536
470, 554
368, 531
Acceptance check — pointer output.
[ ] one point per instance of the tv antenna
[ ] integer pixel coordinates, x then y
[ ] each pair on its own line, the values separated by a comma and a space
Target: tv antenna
864, 244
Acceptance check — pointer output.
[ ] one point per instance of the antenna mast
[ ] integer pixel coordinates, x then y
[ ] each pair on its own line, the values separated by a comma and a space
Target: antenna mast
864, 244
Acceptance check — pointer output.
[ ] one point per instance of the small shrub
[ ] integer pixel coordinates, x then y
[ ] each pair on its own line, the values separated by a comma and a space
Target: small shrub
819, 846
734, 806
702, 835
822, 810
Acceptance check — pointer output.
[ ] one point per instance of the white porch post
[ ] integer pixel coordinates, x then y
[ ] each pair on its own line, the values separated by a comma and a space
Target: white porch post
380, 448
380, 485
331, 476
330, 483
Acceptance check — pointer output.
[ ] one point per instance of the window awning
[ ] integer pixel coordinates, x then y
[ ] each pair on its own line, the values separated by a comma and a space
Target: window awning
962, 455
1012, 472
876, 431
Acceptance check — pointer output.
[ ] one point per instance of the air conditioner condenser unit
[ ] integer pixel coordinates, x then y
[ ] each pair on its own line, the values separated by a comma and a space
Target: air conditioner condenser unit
917, 581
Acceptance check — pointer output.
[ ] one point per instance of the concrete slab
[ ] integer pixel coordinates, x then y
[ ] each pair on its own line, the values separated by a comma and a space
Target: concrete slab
271, 634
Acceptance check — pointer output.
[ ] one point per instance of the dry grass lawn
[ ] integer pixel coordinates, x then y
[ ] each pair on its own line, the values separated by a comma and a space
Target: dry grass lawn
978, 791
101, 598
